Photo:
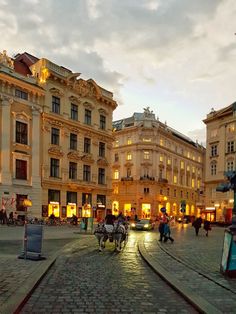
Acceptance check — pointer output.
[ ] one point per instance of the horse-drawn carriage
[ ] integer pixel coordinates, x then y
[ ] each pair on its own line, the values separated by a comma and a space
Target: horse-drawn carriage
117, 233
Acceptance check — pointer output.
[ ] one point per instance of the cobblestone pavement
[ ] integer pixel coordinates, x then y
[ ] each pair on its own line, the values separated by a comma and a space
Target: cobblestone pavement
86, 281
14, 272
196, 264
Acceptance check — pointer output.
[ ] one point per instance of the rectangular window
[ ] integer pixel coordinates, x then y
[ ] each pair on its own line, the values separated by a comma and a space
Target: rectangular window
116, 157
86, 198
101, 149
175, 179
73, 170
102, 122
213, 168
53, 196
116, 174
182, 165
146, 190
54, 167
87, 173
214, 150
71, 197
56, 103
230, 165
101, 176
87, 145
21, 169
87, 116
146, 155
129, 156
73, 141
74, 112
21, 133
55, 136
230, 147
20, 94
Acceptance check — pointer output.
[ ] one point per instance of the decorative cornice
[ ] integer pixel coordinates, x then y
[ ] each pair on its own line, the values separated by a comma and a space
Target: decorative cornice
87, 158
21, 116
56, 92
55, 151
88, 105
103, 111
102, 162
74, 155
74, 99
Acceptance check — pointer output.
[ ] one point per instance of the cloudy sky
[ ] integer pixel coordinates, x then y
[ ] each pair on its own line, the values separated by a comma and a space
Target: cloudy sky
175, 56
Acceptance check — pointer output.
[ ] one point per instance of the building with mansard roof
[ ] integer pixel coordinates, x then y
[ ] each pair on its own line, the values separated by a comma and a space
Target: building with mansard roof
56, 139
155, 166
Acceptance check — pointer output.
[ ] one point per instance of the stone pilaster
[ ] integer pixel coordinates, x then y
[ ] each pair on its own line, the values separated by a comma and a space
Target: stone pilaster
6, 173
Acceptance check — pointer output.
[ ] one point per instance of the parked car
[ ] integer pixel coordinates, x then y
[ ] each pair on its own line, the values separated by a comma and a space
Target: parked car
143, 224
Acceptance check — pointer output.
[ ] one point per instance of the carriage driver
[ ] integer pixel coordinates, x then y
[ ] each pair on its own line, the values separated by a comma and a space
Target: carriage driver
109, 219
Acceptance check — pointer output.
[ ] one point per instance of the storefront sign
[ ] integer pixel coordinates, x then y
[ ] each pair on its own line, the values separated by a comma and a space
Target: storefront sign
27, 202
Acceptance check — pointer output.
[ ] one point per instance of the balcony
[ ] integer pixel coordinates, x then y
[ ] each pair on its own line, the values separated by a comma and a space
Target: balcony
127, 179
144, 178
162, 180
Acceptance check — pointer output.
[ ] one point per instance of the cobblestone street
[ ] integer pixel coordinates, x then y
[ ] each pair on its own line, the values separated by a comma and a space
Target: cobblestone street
79, 279
107, 282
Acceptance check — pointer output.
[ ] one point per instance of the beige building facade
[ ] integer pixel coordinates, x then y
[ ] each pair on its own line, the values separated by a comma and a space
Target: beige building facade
154, 166
69, 151
220, 157
21, 104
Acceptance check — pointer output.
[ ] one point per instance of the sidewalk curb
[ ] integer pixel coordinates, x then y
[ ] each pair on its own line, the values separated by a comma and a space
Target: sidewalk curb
16, 302
196, 301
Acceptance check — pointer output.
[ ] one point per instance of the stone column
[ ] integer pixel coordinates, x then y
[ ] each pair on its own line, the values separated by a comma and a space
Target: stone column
6, 173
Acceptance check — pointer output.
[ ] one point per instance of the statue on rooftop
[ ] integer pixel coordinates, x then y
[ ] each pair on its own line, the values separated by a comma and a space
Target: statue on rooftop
147, 111
5, 60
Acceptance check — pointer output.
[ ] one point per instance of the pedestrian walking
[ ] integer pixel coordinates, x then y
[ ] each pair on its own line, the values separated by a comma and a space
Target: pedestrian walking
167, 233
163, 220
207, 226
197, 225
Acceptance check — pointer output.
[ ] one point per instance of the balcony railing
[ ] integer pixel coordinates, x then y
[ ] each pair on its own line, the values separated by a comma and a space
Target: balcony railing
147, 178
162, 180
127, 179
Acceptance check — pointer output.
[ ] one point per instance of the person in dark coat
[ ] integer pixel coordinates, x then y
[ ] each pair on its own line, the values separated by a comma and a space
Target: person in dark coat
197, 225
207, 226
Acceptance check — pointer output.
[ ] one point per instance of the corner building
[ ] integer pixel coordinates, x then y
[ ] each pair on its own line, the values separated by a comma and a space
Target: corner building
153, 166
21, 105
73, 137
220, 157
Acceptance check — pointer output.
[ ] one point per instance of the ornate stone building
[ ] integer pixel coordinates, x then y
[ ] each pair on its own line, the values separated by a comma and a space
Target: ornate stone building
155, 166
220, 157
73, 137
21, 105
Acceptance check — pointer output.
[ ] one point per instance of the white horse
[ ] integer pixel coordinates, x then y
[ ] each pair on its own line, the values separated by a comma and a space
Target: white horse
120, 235
118, 232
101, 235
